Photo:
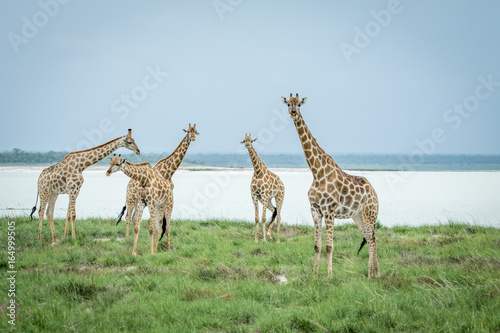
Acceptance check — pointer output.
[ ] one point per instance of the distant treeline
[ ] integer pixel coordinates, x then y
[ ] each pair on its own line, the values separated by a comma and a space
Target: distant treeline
346, 161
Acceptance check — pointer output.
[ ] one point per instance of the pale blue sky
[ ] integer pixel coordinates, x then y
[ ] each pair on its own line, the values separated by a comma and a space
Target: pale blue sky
228, 63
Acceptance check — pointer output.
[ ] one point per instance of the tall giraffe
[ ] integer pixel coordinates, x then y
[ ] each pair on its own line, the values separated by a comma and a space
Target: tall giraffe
155, 192
66, 177
166, 167
264, 187
335, 194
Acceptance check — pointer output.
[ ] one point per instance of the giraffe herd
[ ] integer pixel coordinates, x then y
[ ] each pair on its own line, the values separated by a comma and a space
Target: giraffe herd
333, 193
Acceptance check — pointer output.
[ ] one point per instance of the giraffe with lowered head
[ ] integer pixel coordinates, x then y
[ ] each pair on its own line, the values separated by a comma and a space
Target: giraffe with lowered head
66, 177
335, 194
155, 192
166, 167
264, 187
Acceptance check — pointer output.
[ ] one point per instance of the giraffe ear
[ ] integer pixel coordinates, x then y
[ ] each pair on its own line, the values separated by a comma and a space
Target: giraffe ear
254, 139
303, 101
185, 130
283, 99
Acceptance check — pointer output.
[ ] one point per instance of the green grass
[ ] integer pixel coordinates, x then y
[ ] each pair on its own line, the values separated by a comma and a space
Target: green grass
442, 278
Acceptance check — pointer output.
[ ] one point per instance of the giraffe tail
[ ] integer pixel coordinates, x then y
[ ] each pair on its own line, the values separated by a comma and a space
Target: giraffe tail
34, 207
163, 228
121, 214
362, 244
273, 217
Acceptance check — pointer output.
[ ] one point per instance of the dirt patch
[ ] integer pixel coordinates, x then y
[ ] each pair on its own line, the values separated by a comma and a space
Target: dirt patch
290, 232
409, 259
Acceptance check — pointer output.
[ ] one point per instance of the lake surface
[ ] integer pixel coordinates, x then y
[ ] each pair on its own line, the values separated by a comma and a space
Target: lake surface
406, 198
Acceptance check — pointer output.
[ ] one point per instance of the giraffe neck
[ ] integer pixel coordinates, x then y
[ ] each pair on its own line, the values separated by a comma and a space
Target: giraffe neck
258, 165
86, 158
315, 155
167, 166
138, 172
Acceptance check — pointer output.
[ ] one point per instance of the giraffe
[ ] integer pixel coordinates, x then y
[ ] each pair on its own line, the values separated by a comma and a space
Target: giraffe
155, 192
166, 167
66, 177
264, 187
335, 194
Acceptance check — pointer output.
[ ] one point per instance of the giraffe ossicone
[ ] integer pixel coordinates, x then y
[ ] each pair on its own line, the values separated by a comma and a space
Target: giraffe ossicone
335, 194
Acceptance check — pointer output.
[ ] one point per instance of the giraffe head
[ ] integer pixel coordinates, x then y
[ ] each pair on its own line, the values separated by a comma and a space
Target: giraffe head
191, 132
116, 164
248, 141
294, 104
129, 143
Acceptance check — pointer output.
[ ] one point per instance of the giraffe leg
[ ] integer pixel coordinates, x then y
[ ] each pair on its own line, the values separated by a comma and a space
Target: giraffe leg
72, 202
279, 204
50, 215
68, 217
137, 226
132, 206
329, 222
44, 198
256, 208
157, 235
271, 224
368, 231
318, 228
371, 240
153, 220
264, 203
168, 214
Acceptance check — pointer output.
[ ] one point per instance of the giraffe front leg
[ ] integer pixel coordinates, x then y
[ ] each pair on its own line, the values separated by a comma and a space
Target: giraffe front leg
264, 209
317, 218
329, 223
256, 208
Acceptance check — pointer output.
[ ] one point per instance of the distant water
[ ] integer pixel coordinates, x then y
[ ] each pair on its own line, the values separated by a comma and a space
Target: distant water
406, 198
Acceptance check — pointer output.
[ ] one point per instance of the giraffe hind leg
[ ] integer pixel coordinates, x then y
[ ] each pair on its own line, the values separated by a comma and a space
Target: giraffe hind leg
41, 212
50, 215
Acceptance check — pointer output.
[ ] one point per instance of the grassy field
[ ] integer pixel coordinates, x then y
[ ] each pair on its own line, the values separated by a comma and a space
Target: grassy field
217, 279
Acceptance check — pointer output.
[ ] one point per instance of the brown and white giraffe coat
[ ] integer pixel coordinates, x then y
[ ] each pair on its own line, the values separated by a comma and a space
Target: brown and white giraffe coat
66, 177
155, 192
264, 186
166, 167
335, 194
